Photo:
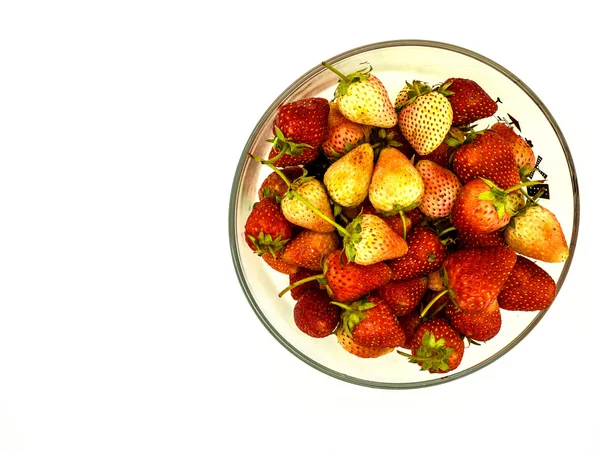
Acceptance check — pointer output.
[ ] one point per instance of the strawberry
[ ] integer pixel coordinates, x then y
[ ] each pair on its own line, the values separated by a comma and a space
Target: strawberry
300, 274
309, 249
469, 101
349, 281
274, 186
477, 325
436, 347
278, 264
473, 239
403, 296
435, 282
441, 189
342, 134
425, 254
315, 315
488, 156
361, 351
362, 98
390, 137
528, 288
425, 117
482, 207
300, 127
371, 240
537, 233
475, 277
296, 211
409, 323
371, 323
347, 179
524, 156
267, 230
396, 185
399, 223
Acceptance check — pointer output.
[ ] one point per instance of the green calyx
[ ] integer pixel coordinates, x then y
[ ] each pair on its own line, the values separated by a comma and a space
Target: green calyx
346, 80
415, 90
462, 135
265, 243
353, 314
285, 146
352, 237
433, 355
443, 89
501, 197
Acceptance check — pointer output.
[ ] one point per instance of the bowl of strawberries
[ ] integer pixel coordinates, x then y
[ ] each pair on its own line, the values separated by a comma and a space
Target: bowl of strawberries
403, 214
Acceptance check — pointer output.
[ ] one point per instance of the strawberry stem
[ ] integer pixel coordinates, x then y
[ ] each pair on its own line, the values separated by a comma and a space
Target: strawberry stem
314, 209
337, 72
269, 163
432, 302
300, 282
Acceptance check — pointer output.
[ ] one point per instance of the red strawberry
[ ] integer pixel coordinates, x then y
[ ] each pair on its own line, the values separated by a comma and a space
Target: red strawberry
469, 101
372, 323
403, 296
300, 274
528, 288
476, 276
267, 230
436, 347
524, 156
309, 249
279, 264
477, 325
300, 127
349, 281
274, 186
425, 254
409, 324
441, 189
361, 351
315, 315
489, 156
481, 207
474, 239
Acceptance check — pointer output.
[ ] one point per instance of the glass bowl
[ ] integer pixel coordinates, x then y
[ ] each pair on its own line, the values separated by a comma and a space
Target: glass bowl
395, 62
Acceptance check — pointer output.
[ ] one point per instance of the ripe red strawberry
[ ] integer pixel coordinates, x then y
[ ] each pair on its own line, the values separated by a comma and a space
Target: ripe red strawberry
279, 264
489, 156
469, 101
315, 315
361, 351
403, 296
425, 254
409, 323
274, 186
372, 323
481, 207
473, 239
441, 189
524, 156
342, 134
309, 249
477, 325
436, 347
300, 274
300, 127
528, 288
476, 276
349, 281
267, 230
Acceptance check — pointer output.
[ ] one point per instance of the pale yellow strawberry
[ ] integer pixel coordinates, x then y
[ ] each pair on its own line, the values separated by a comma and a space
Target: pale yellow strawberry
347, 179
362, 98
401, 98
441, 189
342, 133
537, 233
425, 119
372, 240
297, 212
396, 184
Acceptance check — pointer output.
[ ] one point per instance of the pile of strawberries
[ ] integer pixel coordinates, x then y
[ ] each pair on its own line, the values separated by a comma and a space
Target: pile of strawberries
401, 226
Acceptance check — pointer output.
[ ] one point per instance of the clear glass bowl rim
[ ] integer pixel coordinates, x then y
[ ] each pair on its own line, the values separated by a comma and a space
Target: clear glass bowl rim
285, 94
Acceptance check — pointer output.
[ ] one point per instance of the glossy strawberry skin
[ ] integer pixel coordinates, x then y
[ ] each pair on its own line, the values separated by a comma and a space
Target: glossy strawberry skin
425, 254
480, 326
266, 218
379, 329
301, 274
315, 315
403, 296
469, 101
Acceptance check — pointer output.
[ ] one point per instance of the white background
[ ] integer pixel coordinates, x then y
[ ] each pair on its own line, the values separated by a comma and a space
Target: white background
122, 324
